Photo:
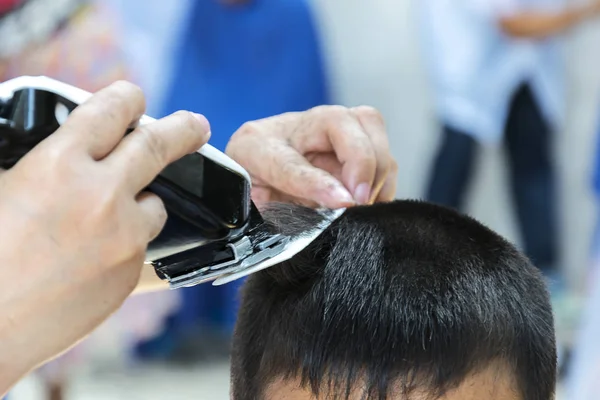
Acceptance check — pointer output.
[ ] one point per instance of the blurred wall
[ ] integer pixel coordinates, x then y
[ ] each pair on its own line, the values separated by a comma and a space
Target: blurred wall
374, 59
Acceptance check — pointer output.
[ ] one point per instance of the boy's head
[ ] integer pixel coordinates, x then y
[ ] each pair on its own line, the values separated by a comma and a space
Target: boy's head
404, 300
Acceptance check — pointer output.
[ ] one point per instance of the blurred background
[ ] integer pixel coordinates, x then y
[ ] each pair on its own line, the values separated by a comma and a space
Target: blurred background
241, 60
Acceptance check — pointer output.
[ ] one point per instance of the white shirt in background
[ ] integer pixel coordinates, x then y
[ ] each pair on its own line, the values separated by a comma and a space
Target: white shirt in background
475, 68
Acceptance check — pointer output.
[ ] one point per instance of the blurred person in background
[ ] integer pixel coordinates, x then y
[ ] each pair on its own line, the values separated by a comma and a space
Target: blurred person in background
497, 71
77, 44
583, 382
234, 61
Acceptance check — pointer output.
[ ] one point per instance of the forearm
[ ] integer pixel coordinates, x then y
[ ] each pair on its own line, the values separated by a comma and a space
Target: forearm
539, 25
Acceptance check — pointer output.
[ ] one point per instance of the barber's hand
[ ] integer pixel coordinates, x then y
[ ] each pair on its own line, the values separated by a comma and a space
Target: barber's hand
329, 156
74, 224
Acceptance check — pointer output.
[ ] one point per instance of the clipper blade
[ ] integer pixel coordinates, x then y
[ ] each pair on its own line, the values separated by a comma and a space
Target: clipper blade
292, 246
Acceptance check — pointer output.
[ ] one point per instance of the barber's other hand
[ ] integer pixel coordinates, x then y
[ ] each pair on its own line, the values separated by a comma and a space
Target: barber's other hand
75, 224
330, 156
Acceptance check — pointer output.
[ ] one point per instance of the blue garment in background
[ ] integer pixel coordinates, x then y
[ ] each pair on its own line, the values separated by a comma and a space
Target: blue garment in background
236, 64
239, 63
596, 176
596, 189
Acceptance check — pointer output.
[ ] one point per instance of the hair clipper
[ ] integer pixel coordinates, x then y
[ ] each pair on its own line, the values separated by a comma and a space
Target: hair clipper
213, 232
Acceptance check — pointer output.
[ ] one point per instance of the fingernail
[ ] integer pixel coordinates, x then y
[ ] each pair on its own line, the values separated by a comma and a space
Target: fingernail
341, 195
362, 193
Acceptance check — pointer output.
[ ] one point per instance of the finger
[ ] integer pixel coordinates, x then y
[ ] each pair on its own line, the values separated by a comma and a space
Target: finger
353, 149
388, 190
262, 196
154, 214
327, 162
144, 153
374, 126
100, 123
289, 172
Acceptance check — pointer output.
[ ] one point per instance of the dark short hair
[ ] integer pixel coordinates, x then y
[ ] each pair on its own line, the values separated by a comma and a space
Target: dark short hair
404, 293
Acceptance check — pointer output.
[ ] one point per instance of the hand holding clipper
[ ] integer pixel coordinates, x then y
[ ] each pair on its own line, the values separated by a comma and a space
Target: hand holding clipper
75, 225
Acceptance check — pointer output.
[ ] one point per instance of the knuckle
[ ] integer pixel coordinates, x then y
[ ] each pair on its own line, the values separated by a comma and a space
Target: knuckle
190, 129
127, 88
336, 116
131, 96
248, 128
239, 141
237, 149
333, 111
153, 143
186, 121
123, 98
368, 112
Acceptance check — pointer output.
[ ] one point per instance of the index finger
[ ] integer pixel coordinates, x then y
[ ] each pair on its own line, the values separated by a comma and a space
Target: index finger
146, 151
292, 174
100, 123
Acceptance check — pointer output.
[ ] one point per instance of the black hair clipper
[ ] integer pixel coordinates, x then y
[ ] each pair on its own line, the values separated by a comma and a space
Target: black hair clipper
213, 232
